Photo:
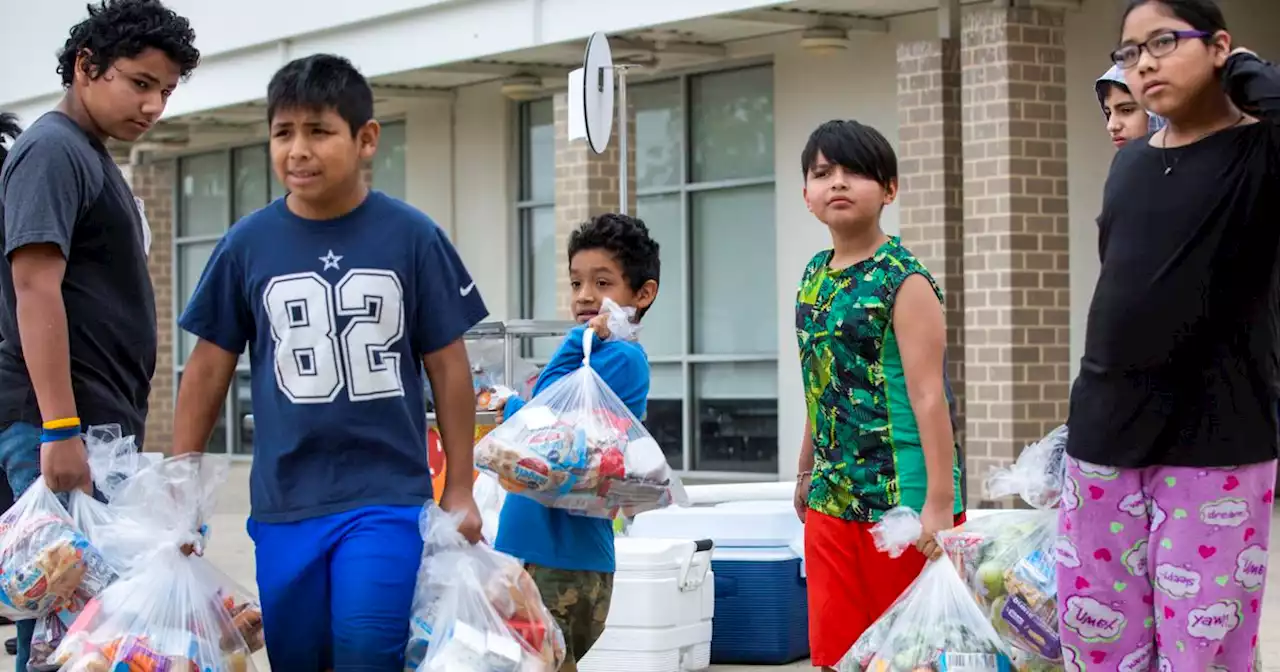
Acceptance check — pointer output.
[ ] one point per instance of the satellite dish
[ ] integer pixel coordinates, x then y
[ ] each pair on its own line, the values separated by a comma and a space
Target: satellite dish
597, 92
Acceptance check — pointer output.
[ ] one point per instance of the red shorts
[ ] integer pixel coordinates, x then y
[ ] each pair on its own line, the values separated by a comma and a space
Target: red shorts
850, 583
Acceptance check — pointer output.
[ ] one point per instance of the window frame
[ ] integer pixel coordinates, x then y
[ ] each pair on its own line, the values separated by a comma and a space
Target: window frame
685, 190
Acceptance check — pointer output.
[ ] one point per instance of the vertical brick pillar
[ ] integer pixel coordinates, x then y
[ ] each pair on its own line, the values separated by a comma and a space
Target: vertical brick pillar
1016, 231
931, 166
586, 186
154, 183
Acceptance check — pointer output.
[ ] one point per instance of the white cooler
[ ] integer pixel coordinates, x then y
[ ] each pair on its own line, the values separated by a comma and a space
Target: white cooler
660, 617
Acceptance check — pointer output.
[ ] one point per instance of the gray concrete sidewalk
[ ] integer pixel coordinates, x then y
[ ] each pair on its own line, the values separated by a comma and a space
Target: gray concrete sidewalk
231, 549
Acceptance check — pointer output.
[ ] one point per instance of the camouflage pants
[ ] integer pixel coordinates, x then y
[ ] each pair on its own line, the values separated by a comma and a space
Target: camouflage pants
579, 601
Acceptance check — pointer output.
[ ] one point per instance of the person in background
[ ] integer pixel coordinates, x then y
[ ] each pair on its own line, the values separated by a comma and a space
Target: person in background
9, 130
78, 324
879, 433
343, 295
1172, 453
1126, 120
571, 557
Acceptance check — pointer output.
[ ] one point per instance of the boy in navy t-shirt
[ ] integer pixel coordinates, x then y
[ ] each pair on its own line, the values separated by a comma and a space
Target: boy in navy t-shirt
569, 556
342, 295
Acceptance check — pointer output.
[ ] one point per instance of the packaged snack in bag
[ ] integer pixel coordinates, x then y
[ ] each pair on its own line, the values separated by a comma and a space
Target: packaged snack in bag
1037, 475
477, 610
935, 626
1007, 560
112, 459
575, 446
46, 564
169, 610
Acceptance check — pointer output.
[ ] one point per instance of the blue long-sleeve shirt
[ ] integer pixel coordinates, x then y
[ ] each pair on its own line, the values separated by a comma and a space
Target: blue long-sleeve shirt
554, 537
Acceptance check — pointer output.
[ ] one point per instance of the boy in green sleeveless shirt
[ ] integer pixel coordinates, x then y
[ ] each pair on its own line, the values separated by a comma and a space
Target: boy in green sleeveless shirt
879, 434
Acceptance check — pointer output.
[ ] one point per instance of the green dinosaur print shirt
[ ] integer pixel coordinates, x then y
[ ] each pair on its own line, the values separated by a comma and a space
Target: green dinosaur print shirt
866, 443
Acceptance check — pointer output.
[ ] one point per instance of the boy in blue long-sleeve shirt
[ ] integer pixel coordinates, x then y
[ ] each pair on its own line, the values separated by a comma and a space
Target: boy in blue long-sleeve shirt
570, 556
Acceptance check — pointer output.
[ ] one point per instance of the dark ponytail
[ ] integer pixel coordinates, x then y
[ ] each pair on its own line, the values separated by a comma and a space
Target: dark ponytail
1203, 15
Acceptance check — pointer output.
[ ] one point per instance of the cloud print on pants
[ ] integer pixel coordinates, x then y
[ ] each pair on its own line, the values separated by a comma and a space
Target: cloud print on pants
1251, 567
1135, 559
1225, 512
1134, 504
1157, 516
1215, 621
1092, 620
1071, 496
1066, 553
1097, 470
1177, 582
1071, 660
1140, 659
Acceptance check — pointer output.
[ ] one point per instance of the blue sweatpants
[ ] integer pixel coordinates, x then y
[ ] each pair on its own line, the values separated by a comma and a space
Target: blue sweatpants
337, 590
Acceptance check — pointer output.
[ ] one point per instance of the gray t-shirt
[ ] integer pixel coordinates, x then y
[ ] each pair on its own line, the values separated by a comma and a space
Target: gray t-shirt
59, 185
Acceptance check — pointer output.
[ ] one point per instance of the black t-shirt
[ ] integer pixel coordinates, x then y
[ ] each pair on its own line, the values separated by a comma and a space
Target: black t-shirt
59, 185
1180, 365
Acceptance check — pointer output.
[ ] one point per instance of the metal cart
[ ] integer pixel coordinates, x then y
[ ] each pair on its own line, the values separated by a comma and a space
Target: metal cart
514, 333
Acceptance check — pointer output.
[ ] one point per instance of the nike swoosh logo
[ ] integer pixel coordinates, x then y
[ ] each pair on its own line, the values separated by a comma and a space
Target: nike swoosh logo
464, 291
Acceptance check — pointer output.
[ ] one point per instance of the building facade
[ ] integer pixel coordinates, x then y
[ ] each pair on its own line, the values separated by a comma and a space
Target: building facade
990, 105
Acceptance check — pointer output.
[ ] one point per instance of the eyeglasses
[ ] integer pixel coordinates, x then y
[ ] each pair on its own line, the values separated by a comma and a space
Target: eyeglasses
1159, 46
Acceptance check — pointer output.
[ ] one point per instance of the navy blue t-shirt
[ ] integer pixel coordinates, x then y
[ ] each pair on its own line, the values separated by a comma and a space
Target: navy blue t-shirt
337, 315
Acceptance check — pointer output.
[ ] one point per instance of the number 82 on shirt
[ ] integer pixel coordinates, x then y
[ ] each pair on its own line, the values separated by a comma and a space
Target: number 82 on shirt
314, 363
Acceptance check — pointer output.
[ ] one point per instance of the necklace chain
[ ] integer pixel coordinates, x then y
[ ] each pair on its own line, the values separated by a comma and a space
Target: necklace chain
1164, 144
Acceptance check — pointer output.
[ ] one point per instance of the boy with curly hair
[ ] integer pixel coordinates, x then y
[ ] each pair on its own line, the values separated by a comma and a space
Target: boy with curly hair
570, 557
78, 325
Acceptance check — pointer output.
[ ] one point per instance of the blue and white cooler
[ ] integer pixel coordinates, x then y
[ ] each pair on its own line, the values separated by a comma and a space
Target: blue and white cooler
761, 605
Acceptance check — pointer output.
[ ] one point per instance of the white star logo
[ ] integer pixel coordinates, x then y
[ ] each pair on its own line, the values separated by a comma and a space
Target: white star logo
331, 261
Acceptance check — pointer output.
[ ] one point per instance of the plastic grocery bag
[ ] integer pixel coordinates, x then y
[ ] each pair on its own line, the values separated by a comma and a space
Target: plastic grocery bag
934, 626
46, 564
168, 611
489, 497
1008, 562
475, 609
575, 446
112, 459
1037, 475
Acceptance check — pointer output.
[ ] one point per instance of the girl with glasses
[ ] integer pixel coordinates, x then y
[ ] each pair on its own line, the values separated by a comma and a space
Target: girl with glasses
1171, 479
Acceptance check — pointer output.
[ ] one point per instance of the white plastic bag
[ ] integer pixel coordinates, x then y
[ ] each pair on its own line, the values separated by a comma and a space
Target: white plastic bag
935, 625
1037, 475
1007, 560
167, 606
46, 564
475, 609
575, 446
489, 497
489, 376
112, 459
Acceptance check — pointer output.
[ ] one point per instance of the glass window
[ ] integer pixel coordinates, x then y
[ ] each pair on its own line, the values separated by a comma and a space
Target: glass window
543, 262
736, 414
253, 182
242, 407
659, 134
205, 202
732, 125
388, 163
538, 157
663, 332
734, 286
192, 258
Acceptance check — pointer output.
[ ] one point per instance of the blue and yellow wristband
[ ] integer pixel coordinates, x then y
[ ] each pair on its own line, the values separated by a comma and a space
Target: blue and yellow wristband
60, 430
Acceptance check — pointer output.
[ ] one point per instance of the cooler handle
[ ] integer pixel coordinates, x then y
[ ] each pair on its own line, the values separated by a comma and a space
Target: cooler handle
693, 569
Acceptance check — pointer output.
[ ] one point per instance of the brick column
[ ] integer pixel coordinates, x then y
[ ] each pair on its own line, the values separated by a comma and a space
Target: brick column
586, 186
931, 166
154, 182
1016, 231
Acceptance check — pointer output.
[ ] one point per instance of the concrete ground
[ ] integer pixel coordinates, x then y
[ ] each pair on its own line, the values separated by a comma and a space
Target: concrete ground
231, 549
